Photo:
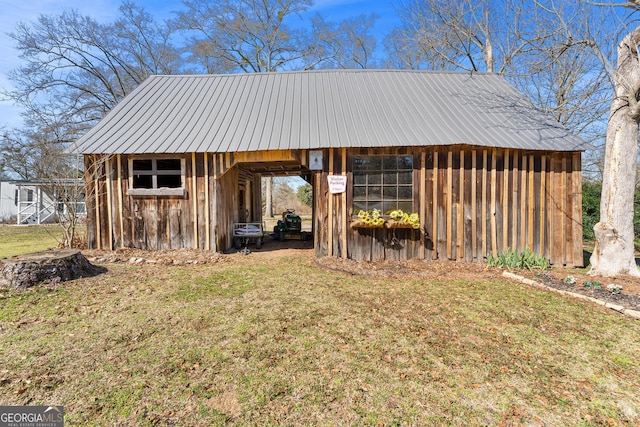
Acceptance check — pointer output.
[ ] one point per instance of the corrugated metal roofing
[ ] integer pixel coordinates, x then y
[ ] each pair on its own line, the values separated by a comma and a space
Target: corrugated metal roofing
322, 109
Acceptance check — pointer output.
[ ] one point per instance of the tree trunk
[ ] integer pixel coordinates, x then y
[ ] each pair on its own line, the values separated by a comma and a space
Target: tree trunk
613, 253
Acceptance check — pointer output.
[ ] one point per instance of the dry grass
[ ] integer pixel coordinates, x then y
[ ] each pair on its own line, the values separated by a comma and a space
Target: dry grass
21, 239
269, 340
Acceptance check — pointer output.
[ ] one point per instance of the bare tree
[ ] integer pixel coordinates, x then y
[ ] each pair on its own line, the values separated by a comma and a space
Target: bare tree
244, 35
349, 44
76, 70
614, 249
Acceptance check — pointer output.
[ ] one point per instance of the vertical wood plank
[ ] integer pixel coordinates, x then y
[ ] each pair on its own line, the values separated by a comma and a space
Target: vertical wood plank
483, 207
449, 207
214, 204
96, 188
109, 178
194, 198
515, 199
474, 210
423, 202
543, 207
565, 225
576, 171
434, 197
531, 203
207, 219
120, 203
553, 210
505, 201
330, 212
343, 221
494, 184
460, 210
523, 203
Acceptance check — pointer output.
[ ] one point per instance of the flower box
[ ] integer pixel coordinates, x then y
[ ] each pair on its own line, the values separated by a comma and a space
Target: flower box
399, 224
363, 224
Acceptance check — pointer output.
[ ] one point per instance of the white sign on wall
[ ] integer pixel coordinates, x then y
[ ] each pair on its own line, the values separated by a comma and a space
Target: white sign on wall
337, 183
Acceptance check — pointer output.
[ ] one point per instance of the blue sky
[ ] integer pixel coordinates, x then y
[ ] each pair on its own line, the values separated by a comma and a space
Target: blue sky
14, 11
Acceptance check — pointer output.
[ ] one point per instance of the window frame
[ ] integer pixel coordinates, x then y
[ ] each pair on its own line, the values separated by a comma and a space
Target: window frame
381, 173
155, 190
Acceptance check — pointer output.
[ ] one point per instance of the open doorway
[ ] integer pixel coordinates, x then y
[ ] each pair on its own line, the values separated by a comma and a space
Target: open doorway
291, 217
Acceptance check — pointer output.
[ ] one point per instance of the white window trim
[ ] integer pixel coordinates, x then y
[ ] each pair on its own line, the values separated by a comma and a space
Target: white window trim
163, 191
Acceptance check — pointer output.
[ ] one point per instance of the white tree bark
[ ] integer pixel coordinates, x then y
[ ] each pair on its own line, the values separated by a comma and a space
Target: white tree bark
614, 250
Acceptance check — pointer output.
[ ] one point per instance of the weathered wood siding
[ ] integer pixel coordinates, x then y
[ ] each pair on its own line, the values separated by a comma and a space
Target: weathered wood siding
473, 202
202, 218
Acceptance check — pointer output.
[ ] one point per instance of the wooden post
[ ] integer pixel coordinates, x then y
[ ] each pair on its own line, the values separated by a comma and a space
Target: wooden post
460, 211
543, 197
505, 201
483, 214
514, 203
563, 212
214, 207
107, 165
576, 171
194, 197
474, 208
120, 200
531, 203
330, 212
97, 197
423, 199
523, 203
434, 226
449, 204
207, 241
344, 221
494, 183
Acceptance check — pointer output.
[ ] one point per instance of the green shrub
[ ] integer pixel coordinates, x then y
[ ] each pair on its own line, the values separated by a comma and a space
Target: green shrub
513, 260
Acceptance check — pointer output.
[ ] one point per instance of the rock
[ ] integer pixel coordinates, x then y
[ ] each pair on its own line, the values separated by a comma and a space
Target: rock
50, 266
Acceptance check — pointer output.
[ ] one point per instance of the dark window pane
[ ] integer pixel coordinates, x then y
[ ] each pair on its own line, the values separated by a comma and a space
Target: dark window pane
375, 205
390, 178
390, 163
374, 193
142, 181
142, 165
390, 193
374, 178
406, 206
359, 206
169, 181
374, 163
359, 163
405, 177
389, 206
405, 162
359, 193
404, 193
359, 178
168, 164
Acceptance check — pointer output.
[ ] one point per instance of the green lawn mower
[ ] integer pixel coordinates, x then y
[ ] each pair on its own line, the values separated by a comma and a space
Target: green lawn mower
290, 227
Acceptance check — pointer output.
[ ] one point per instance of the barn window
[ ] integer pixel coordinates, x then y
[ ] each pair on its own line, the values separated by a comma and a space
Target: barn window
161, 176
383, 182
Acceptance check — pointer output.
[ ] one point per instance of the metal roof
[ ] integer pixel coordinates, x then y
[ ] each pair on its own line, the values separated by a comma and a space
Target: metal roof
323, 109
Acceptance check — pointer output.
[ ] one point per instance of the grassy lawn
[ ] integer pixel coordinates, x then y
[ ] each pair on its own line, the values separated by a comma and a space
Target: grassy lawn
272, 340
18, 239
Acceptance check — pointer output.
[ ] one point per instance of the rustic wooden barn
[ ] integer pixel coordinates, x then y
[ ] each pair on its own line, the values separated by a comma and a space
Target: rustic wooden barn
180, 160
